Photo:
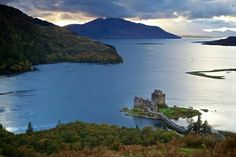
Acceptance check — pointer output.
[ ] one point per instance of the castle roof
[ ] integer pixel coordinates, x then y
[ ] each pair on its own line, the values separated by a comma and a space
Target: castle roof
158, 92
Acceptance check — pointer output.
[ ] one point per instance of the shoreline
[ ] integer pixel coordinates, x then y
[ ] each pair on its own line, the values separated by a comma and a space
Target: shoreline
35, 68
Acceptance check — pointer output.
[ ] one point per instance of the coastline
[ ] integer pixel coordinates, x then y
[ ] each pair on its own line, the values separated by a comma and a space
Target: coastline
32, 68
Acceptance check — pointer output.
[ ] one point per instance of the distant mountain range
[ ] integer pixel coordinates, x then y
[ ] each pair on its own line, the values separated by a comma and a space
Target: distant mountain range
230, 41
27, 41
116, 28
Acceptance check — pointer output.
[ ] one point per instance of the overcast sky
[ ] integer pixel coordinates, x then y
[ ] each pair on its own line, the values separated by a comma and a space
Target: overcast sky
177, 16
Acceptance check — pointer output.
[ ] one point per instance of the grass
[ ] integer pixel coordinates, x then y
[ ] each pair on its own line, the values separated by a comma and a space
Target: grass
179, 112
189, 151
170, 112
136, 112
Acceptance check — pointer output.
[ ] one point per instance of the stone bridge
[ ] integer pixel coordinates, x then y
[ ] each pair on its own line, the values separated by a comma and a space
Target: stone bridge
169, 123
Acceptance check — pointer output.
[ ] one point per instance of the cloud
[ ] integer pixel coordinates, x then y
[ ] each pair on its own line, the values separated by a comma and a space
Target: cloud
178, 16
223, 29
143, 9
5, 1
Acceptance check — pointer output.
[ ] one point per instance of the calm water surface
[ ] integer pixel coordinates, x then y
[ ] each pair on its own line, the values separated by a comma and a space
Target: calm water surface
95, 93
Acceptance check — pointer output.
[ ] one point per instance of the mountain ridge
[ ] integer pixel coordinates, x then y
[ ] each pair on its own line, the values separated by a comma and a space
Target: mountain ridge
230, 41
117, 28
26, 41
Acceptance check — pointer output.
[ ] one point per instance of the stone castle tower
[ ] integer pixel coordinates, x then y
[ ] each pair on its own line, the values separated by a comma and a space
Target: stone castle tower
159, 100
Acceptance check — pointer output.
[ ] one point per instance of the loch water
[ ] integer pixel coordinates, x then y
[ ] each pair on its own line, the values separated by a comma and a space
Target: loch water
95, 93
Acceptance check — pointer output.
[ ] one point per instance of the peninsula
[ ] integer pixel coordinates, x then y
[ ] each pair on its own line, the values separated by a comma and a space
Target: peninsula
230, 41
206, 73
26, 41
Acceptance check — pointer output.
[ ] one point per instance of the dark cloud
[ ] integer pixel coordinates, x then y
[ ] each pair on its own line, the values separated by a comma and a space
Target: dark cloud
4, 1
144, 9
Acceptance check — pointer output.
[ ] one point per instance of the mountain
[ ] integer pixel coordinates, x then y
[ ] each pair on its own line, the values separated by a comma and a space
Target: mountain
230, 41
27, 41
115, 28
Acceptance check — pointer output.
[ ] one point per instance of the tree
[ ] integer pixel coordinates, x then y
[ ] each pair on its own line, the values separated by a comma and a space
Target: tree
198, 124
30, 129
199, 127
196, 127
190, 122
206, 128
59, 123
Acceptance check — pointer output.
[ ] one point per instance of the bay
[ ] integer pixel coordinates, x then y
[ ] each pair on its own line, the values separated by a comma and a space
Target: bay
95, 93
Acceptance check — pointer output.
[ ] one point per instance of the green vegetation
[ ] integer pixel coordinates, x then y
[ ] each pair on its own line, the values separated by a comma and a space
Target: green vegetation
189, 151
202, 73
84, 139
135, 112
78, 136
170, 112
200, 127
179, 112
25, 41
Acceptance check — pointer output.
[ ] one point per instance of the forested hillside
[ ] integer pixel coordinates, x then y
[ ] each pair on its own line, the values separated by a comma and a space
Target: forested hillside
26, 41
84, 139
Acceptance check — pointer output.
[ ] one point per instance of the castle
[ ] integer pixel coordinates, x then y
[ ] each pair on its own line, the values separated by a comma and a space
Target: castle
157, 101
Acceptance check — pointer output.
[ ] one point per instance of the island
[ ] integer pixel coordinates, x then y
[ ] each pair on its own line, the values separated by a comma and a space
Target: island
157, 109
204, 73
117, 28
26, 41
146, 108
230, 41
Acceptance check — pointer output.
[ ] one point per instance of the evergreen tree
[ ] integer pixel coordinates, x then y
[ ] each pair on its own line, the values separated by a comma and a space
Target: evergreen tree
30, 129
59, 123
198, 124
190, 122
206, 128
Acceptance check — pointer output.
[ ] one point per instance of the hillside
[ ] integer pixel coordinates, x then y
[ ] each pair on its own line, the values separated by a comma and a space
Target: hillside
115, 28
27, 41
230, 41
81, 139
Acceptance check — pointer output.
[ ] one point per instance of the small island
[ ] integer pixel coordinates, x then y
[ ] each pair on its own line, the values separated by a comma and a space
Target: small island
204, 73
150, 108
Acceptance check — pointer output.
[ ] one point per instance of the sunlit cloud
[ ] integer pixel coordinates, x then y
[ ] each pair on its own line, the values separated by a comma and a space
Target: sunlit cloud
62, 18
225, 18
223, 29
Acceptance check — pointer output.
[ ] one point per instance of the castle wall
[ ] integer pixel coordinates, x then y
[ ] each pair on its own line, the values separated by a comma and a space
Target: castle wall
158, 100
140, 102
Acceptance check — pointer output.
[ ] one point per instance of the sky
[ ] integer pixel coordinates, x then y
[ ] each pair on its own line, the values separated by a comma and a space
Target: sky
182, 17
